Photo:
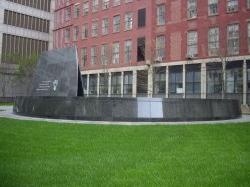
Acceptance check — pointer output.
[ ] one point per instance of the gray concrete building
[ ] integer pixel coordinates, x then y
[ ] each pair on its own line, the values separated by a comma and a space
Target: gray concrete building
26, 27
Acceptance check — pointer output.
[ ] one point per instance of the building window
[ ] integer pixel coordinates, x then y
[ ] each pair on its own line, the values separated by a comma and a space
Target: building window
192, 44
116, 84
94, 29
116, 53
128, 21
248, 3
104, 54
160, 47
191, 9
213, 41
116, 23
95, 5
116, 2
233, 39
142, 83
93, 84
85, 31
141, 18
84, 56
76, 10
75, 33
103, 84
214, 78
85, 8
93, 54
105, 4
105, 26
160, 81
193, 79
128, 51
141, 49
212, 7
127, 83
67, 13
175, 80
232, 5
234, 78
161, 14
67, 35
248, 31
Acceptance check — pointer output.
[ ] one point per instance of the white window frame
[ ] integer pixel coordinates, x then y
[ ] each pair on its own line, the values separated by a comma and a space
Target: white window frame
128, 51
161, 14
105, 26
213, 41
233, 38
116, 53
128, 21
192, 44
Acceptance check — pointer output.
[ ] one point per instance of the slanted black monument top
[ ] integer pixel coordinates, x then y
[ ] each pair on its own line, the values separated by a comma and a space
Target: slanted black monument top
58, 74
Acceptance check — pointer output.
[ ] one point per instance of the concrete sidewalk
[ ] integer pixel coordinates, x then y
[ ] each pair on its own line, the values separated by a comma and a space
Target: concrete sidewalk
7, 112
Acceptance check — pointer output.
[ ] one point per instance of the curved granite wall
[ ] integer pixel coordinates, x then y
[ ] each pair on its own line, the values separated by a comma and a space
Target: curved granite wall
127, 109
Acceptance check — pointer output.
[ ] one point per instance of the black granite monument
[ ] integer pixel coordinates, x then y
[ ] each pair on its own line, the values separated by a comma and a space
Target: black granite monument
57, 88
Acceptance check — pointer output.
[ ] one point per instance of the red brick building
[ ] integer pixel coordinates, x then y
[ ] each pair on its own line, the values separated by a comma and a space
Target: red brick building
167, 48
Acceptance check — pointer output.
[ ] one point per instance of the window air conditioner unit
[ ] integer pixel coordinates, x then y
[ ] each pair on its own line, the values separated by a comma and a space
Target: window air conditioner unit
158, 59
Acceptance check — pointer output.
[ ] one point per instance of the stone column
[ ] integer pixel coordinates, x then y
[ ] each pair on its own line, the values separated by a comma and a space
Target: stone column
109, 85
203, 80
184, 80
150, 81
244, 82
122, 77
98, 85
134, 89
88, 85
167, 83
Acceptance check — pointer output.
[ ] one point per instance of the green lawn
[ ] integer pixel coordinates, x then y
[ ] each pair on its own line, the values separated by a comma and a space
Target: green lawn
6, 103
48, 154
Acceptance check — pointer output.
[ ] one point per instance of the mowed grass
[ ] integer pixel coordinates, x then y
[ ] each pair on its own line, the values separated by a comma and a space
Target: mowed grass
6, 103
49, 154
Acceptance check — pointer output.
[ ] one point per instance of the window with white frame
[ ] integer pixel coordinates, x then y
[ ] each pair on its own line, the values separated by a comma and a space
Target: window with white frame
213, 41
85, 31
84, 56
191, 9
76, 10
67, 13
116, 83
116, 23
116, 53
105, 4
160, 47
75, 33
128, 83
212, 7
93, 55
95, 5
67, 35
104, 54
233, 43
94, 29
85, 8
116, 2
128, 21
128, 51
192, 44
105, 26
161, 14
232, 5
248, 31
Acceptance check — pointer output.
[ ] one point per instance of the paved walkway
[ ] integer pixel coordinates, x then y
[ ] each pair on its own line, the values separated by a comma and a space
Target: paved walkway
7, 112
